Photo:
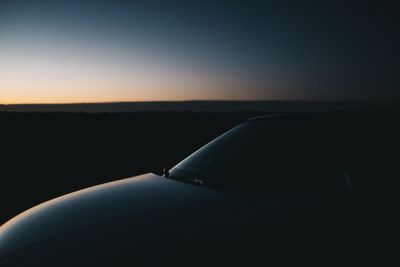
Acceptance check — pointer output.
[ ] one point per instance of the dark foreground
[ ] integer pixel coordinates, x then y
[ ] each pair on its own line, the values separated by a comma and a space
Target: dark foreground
333, 199
47, 155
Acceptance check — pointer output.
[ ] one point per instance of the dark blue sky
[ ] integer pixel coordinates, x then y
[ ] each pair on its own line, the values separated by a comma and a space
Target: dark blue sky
84, 51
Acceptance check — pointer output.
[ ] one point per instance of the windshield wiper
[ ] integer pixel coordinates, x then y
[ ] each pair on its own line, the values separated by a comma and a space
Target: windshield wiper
185, 179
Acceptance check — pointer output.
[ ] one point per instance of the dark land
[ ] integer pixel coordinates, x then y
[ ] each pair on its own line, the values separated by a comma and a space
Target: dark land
201, 106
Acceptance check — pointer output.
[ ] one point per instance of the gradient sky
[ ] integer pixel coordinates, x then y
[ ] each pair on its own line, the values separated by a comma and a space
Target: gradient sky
97, 51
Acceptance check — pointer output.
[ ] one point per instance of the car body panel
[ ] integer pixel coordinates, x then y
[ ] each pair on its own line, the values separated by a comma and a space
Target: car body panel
152, 215
97, 204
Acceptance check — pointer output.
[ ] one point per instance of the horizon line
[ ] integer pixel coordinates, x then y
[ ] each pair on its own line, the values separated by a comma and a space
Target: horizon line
195, 100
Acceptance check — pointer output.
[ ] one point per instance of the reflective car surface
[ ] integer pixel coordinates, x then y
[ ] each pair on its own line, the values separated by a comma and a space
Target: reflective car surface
295, 189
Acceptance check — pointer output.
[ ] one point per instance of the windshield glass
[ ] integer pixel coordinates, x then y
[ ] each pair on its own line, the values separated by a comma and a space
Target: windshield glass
265, 155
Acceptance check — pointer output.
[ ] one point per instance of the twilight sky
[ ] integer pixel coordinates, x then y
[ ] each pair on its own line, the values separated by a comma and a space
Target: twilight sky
98, 51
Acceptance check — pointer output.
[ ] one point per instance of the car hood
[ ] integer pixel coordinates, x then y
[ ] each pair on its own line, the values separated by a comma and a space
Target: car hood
94, 205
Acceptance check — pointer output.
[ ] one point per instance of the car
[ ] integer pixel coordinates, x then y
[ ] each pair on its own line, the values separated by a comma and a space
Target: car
294, 189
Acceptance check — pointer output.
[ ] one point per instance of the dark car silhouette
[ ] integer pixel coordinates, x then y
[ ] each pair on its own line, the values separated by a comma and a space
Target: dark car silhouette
308, 189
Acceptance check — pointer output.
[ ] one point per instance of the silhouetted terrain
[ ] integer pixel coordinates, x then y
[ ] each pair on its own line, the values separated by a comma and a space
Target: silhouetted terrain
203, 106
44, 155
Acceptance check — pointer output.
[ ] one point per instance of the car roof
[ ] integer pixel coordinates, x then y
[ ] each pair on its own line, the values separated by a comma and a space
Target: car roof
337, 114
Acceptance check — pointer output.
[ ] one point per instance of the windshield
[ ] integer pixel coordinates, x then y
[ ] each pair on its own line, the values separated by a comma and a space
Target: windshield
267, 155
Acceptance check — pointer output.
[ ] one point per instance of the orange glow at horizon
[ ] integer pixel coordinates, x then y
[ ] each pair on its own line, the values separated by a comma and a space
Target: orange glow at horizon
34, 73
94, 92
